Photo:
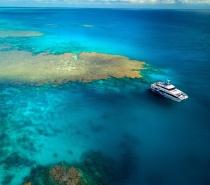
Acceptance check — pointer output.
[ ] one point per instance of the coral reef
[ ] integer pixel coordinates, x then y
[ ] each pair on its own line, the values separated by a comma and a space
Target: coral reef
19, 33
66, 176
97, 169
22, 67
93, 169
88, 25
28, 183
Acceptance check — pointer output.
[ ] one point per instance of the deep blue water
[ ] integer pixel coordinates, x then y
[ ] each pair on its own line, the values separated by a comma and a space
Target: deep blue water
152, 140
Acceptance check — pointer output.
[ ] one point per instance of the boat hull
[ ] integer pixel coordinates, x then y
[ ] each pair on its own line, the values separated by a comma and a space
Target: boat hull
165, 95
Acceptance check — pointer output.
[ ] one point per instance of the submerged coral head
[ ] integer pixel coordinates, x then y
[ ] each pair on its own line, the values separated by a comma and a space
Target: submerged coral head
66, 176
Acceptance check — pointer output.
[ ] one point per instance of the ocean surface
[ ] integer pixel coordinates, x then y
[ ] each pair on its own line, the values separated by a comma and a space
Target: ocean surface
149, 139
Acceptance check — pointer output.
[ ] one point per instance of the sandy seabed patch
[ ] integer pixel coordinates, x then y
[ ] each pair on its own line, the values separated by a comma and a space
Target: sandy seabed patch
44, 68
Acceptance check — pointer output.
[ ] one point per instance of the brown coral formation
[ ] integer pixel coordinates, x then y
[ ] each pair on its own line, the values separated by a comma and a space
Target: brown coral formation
29, 183
45, 68
65, 176
19, 33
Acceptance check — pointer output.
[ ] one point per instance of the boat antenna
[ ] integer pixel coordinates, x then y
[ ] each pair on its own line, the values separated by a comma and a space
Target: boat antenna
168, 81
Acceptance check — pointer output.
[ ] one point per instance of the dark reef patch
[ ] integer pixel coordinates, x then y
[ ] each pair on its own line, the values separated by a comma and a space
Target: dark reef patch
55, 155
97, 166
3, 137
105, 116
47, 132
78, 132
8, 179
27, 123
155, 179
127, 161
96, 128
128, 140
29, 146
70, 152
93, 169
14, 160
37, 175
127, 165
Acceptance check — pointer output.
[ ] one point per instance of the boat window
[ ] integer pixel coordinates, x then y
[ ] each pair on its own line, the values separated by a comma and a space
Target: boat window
172, 88
168, 94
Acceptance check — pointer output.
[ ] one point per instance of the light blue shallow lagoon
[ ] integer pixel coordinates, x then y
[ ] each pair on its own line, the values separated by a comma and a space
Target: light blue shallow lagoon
145, 138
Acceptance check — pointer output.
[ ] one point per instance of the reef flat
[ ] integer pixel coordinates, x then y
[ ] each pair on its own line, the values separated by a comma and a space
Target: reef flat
45, 68
88, 25
19, 33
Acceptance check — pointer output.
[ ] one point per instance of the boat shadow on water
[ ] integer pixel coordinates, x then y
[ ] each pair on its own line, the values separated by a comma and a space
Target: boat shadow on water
156, 99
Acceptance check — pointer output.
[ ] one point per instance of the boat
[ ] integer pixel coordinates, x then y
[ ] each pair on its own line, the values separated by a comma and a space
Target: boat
168, 90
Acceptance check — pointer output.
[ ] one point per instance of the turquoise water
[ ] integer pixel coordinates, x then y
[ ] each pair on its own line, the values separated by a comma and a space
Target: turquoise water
151, 140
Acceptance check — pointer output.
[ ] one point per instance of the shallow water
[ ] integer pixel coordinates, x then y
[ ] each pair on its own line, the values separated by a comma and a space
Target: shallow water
152, 140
